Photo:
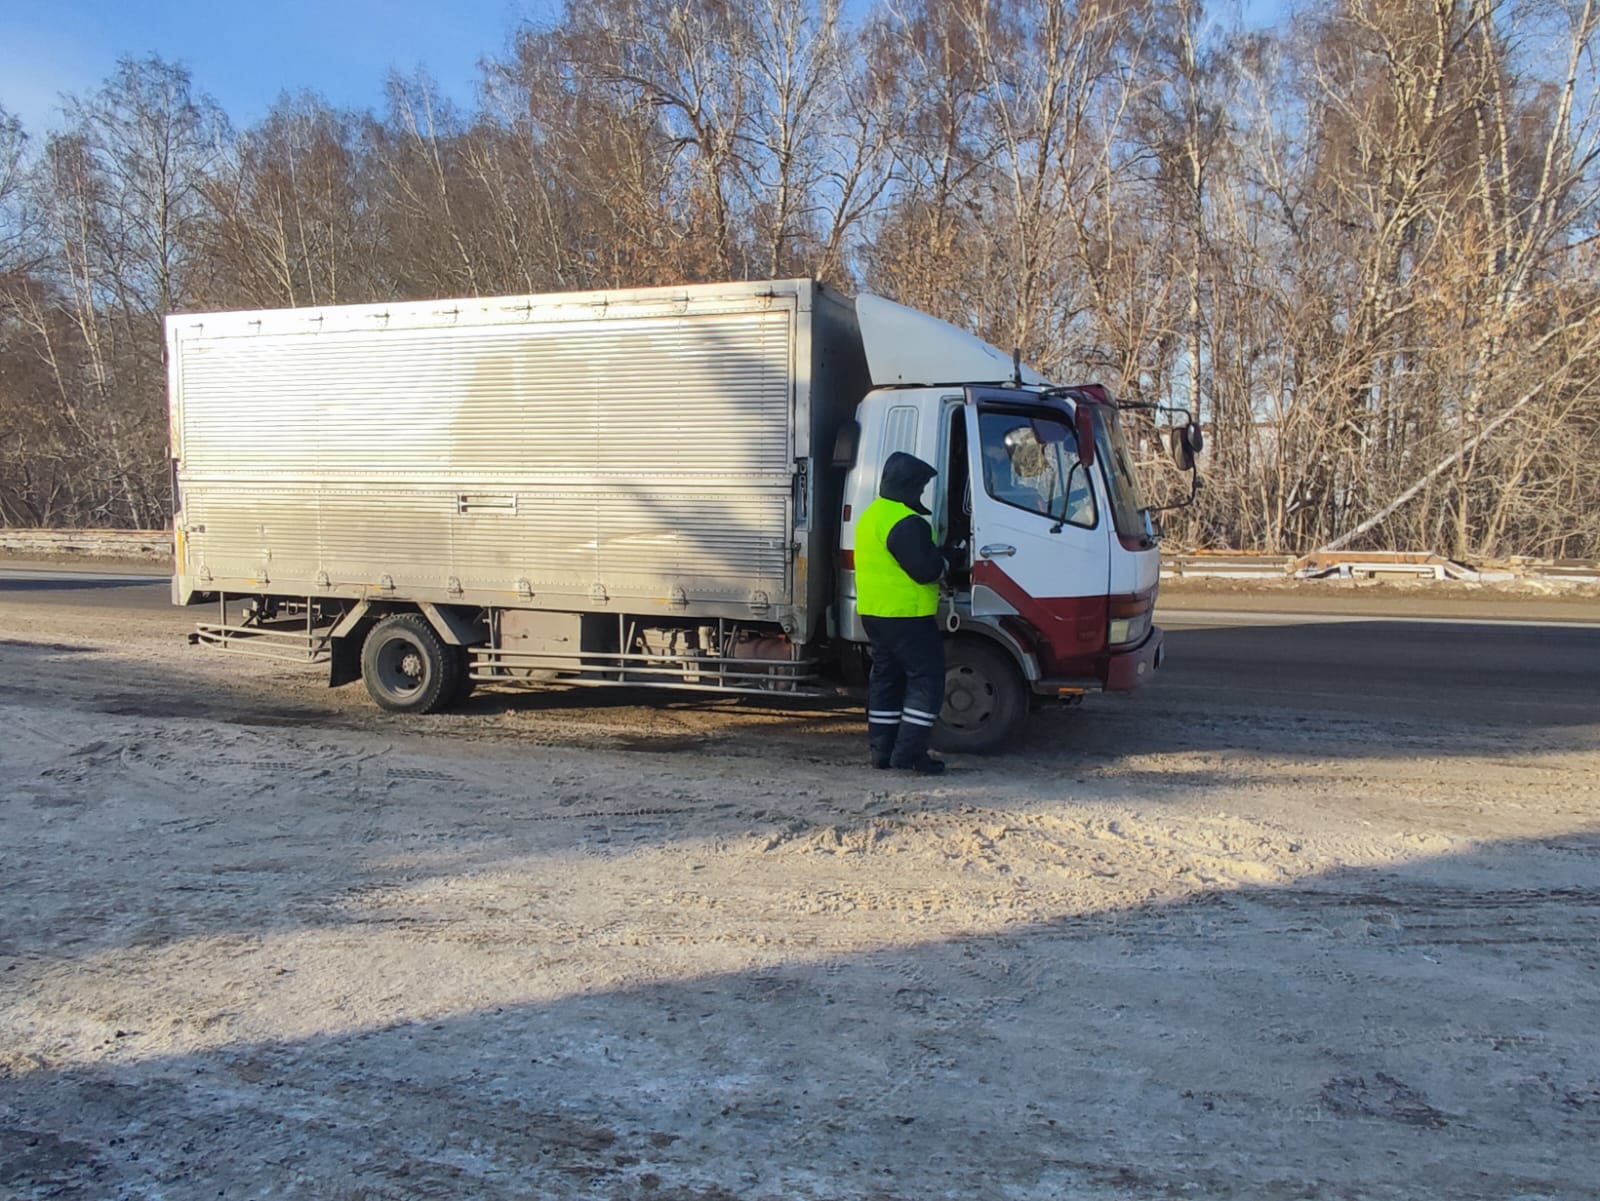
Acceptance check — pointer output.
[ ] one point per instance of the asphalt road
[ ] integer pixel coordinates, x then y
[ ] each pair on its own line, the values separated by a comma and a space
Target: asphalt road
115, 590
1503, 672
1500, 673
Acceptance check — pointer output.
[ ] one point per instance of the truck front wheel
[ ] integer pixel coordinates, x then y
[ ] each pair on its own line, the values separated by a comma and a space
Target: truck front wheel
985, 699
408, 668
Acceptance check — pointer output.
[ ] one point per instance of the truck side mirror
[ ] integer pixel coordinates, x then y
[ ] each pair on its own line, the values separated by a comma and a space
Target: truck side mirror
1186, 442
845, 444
1083, 420
1181, 454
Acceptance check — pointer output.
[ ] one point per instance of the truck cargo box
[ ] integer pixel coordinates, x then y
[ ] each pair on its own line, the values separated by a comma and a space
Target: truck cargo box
647, 451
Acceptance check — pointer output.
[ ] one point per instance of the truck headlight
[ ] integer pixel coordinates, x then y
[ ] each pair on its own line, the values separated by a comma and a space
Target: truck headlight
1129, 629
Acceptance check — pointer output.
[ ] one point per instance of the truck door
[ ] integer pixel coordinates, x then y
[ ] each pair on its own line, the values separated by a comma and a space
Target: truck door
1040, 548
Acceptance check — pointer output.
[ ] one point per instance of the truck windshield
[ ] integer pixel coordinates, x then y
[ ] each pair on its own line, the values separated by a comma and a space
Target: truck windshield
1127, 501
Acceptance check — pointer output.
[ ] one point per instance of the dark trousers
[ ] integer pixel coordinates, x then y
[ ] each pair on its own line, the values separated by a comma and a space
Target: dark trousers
906, 689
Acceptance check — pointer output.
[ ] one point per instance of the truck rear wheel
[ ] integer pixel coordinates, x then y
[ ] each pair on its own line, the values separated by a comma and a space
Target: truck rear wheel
408, 668
985, 699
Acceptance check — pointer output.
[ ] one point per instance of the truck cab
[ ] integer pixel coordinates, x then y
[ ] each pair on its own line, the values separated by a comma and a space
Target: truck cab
1056, 564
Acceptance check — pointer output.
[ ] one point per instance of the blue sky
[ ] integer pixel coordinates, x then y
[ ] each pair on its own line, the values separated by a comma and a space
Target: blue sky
246, 54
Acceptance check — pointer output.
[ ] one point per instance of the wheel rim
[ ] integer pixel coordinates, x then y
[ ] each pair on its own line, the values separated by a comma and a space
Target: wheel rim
402, 667
970, 698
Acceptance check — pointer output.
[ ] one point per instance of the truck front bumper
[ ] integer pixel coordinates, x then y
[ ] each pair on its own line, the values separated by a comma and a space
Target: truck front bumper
1124, 670
1129, 669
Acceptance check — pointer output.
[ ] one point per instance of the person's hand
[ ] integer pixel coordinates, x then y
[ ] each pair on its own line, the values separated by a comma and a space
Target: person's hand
955, 554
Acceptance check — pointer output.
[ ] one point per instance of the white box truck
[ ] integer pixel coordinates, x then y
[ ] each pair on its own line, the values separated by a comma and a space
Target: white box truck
647, 488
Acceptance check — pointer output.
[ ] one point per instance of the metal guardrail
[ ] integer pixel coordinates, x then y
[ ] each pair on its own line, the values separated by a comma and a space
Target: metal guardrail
1235, 565
1420, 565
1220, 565
1577, 573
88, 544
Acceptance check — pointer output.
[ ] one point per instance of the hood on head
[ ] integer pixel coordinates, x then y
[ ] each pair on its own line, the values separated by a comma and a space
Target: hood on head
904, 477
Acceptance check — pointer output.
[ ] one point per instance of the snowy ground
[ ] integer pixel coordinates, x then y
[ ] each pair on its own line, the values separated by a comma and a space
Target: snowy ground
259, 940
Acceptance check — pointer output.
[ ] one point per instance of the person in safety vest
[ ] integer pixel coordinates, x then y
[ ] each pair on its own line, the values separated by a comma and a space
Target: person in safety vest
897, 594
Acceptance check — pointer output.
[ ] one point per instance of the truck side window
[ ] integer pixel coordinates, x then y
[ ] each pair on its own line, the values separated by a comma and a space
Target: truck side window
1028, 463
1081, 508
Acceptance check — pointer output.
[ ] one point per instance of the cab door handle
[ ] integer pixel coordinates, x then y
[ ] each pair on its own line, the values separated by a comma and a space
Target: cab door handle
997, 550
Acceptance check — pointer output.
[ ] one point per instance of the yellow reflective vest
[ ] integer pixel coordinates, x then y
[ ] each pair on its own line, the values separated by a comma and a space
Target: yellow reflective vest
883, 589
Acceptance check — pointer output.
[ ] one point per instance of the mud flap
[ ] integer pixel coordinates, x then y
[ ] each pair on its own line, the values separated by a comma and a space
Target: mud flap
344, 659
344, 646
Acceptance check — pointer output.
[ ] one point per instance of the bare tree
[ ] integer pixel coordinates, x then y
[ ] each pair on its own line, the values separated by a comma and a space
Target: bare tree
1362, 246
927, 79
293, 213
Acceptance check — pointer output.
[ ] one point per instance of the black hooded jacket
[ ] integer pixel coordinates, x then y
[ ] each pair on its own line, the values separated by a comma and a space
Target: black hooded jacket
911, 540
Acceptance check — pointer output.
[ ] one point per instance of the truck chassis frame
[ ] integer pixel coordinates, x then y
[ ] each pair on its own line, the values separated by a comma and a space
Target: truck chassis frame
308, 631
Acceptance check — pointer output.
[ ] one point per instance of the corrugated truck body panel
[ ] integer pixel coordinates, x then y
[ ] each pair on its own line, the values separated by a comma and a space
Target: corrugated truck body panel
634, 451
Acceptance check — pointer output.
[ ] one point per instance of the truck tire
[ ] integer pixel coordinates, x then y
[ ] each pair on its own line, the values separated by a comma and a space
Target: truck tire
985, 699
407, 667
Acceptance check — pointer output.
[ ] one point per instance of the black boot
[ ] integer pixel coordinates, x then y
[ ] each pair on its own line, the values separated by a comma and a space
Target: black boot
882, 730
881, 750
911, 747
